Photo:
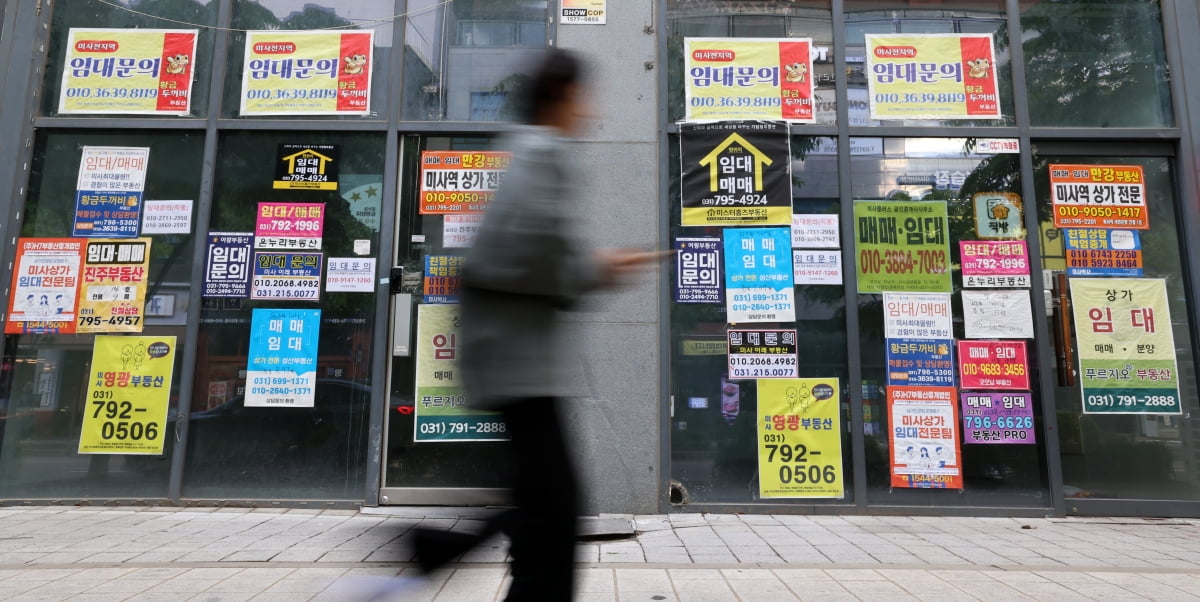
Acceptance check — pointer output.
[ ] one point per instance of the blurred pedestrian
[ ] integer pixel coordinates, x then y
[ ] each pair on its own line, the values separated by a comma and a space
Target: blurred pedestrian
525, 268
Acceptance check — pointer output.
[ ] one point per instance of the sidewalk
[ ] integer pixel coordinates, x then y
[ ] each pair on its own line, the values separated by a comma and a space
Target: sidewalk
227, 554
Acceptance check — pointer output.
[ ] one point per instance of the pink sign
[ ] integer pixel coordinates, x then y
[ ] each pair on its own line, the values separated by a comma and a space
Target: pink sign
994, 257
993, 365
289, 226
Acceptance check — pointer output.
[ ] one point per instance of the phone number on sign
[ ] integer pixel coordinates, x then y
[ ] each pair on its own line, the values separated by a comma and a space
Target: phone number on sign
758, 360
1170, 400
441, 428
112, 93
290, 94
737, 372
735, 101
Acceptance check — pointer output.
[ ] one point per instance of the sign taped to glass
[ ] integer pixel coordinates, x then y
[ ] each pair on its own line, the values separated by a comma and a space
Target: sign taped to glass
744, 78
736, 173
128, 72
800, 438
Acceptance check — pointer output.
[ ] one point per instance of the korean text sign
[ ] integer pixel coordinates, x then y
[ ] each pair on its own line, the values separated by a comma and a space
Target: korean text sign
45, 286
762, 354
460, 181
128, 72
902, 246
1102, 252
816, 266
443, 275
800, 438
993, 365
350, 275
441, 414
997, 314
129, 389
298, 226
758, 275
917, 316
998, 214
924, 437
742, 78
925, 362
994, 263
1099, 196
227, 264
998, 418
283, 276
307, 73
736, 173
306, 167
698, 271
108, 191
281, 370
816, 231
932, 76
1126, 348
112, 291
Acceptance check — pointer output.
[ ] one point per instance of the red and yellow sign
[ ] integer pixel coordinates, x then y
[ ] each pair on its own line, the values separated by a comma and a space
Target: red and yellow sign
460, 181
924, 437
112, 292
1099, 196
932, 76
307, 73
128, 72
1000, 365
742, 78
45, 286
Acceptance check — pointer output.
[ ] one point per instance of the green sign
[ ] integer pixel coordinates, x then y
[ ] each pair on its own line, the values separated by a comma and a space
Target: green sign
1126, 347
441, 412
903, 246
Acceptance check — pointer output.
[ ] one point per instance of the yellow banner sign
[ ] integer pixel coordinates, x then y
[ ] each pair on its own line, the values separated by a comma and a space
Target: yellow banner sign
799, 438
128, 72
112, 293
932, 76
129, 389
741, 78
307, 73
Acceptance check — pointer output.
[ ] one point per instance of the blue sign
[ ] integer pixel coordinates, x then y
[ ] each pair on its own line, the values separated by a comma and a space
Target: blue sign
227, 267
281, 367
698, 271
758, 275
920, 362
1101, 252
443, 276
107, 214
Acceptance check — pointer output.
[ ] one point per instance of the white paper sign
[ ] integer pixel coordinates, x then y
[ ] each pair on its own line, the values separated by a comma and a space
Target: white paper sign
458, 231
350, 275
167, 217
997, 314
815, 231
817, 267
917, 316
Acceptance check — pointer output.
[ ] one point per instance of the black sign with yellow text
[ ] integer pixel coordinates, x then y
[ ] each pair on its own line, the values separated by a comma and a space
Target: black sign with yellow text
736, 173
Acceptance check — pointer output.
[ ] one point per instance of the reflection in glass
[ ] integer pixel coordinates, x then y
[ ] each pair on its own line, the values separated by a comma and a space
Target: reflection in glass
284, 452
44, 378
714, 439
466, 61
1130, 456
1083, 67
69, 14
950, 170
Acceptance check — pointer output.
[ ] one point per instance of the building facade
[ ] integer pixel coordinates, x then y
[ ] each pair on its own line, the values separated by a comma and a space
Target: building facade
984, 310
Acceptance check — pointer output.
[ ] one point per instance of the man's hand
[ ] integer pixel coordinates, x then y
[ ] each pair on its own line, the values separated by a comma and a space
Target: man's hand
617, 265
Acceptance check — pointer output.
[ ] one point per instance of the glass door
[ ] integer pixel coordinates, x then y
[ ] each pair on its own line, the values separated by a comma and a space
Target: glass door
436, 450
1125, 384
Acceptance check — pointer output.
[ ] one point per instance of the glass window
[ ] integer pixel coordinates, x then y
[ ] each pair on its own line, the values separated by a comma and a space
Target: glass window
804, 19
126, 14
317, 452
464, 61
714, 438
947, 170
45, 377
1083, 69
913, 17
1134, 455
361, 15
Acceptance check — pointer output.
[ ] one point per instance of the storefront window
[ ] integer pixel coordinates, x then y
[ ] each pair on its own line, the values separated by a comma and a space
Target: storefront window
467, 61
278, 437
951, 175
804, 19
1083, 69
289, 85
923, 60
45, 408
1121, 441
95, 90
715, 441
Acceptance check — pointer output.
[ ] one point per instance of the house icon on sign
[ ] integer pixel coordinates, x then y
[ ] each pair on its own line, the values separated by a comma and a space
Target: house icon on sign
737, 146
307, 169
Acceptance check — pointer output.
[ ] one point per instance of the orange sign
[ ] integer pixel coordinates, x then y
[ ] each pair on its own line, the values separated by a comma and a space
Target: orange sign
459, 181
1099, 196
924, 437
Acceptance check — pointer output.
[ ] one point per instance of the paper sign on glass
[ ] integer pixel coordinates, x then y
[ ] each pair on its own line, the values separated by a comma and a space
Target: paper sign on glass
932, 76
997, 314
1101, 252
307, 72
45, 285
924, 437
128, 72
1099, 196
281, 363
993, 365
917, 316
998, 418
902, 246
128, 393
758, 275
459, 181
800, 438
816, 231
994, 263
748, 78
